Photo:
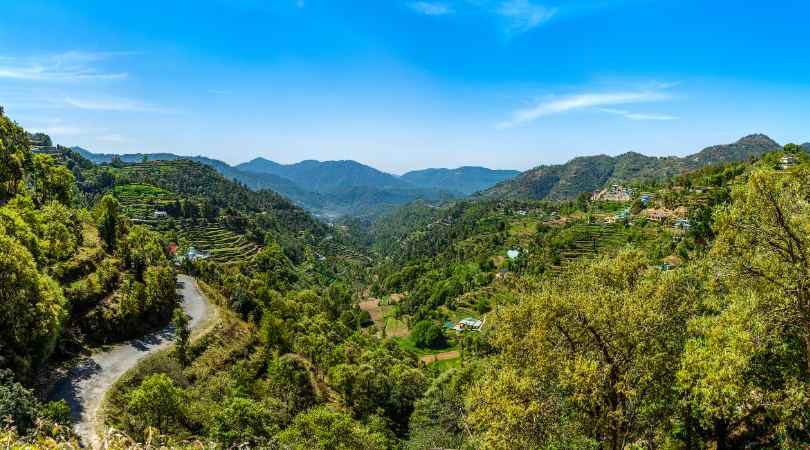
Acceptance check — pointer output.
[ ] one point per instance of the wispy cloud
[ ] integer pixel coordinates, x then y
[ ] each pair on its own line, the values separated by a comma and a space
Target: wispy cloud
431, 8
112, 104
523, 15
638, 116
72, 66
581, 101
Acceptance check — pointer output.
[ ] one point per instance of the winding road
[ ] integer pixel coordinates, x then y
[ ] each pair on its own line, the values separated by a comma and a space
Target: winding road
84, 386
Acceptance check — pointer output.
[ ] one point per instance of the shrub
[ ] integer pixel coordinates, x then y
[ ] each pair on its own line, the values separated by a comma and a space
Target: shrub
428, 334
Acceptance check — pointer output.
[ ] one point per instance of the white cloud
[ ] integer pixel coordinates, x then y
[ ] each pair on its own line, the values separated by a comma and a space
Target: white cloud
523, 15
112, 104
431, 8
72, 66
638, 116
581, 101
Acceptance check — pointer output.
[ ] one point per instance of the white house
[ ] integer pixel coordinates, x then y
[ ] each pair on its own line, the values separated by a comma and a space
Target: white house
512, 254
160, 214
469, 324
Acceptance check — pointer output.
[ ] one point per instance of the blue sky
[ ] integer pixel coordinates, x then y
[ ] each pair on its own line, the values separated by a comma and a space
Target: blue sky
407, 84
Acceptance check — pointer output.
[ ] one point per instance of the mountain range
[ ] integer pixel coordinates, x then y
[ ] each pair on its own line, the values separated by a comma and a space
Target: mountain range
591, 173
334, 188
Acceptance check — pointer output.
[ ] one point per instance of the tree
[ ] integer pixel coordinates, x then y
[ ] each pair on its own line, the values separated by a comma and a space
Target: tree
182, 333
765, 235
52, 182
243, 421
275, 267
109, 222
142, 248
747, 366
322, 428
428, 334
158, 403
588, 357
32, 309
15, 154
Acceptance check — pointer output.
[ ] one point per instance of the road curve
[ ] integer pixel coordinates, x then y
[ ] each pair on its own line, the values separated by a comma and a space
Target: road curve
84, 386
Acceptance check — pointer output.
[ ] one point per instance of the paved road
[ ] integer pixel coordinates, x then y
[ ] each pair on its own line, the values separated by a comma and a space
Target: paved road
84, 386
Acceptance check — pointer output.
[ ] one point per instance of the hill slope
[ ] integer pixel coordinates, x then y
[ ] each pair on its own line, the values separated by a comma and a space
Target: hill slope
590, 173
466, 180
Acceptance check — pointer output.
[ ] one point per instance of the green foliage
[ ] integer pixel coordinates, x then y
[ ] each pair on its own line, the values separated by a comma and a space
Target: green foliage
17, 403
157, 403
52, 182
244, 421
326, 429
428, 334
15, 154
32, 309
57, 412
182, 333
109, 222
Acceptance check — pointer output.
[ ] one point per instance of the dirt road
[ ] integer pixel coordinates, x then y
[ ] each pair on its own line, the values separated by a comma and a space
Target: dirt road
83, 388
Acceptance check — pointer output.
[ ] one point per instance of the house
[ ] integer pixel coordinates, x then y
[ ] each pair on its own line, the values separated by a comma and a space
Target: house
193, 254
160, 214
682, 224
522, 212
469, 324
172, 248
788, 161
513, 254
645, 199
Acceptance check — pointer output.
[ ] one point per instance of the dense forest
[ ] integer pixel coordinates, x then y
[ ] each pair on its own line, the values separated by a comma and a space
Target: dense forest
675, 315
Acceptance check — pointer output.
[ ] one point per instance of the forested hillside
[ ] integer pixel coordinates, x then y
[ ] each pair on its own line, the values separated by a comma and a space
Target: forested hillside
587, 174
672, 317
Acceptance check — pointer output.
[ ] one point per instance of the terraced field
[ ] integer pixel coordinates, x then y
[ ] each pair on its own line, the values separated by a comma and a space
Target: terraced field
224, 245
140, 201
597, 239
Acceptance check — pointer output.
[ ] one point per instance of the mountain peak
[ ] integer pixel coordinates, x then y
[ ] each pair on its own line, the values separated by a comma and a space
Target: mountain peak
757, 139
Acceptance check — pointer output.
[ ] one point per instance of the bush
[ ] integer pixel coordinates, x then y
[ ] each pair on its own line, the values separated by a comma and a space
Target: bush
17, 402
428, 334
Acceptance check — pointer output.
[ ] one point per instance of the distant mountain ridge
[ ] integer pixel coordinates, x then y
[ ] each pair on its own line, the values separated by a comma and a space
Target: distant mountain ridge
591, 173
467, 179
326, 176
328, 188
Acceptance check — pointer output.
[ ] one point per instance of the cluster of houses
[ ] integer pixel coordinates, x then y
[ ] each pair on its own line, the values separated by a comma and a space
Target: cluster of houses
615, 193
